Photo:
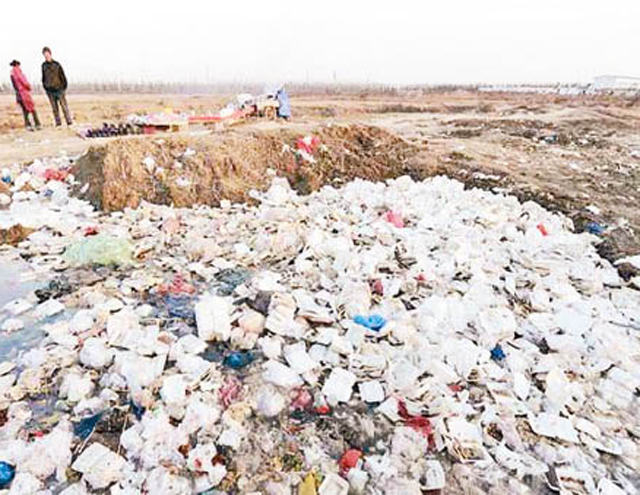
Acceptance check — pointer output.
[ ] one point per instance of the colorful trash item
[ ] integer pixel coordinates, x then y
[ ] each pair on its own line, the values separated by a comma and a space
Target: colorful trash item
372, 322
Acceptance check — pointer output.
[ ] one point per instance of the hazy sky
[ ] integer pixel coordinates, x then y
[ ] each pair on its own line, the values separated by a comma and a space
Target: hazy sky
392, 41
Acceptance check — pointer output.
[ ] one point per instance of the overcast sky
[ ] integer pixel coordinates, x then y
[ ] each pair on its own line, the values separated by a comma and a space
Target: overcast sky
390, 41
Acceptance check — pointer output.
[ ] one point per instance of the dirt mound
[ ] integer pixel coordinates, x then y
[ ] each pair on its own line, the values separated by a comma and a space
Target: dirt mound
14, 235
205, 170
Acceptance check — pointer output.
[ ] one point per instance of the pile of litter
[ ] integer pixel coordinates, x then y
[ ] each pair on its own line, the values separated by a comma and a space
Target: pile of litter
376, 338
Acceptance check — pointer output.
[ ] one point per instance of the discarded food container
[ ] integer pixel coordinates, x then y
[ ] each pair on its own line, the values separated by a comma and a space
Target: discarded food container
434, 477
100, 466
213, 318
270, 402
339, 385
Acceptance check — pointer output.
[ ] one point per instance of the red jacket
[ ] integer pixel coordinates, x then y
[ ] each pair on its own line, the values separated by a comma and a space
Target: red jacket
23, 89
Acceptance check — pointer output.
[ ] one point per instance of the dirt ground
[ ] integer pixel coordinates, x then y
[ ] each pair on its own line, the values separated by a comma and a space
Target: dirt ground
578, 155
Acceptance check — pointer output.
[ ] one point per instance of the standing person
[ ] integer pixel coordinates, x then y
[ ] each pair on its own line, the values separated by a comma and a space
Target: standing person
55, 84
284, 109
23, 95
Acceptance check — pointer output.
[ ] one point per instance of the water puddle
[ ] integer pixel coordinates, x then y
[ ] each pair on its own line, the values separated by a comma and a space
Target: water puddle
17, 280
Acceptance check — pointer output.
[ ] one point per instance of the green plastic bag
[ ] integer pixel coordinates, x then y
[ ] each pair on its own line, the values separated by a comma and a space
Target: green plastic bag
100, 250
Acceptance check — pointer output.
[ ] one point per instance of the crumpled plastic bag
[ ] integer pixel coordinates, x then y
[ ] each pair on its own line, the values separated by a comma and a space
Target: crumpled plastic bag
100, 250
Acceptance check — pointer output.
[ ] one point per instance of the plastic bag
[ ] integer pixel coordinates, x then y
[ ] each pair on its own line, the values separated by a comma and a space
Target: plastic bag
100, 250
237, 360
373, 322
7, 473
86, 426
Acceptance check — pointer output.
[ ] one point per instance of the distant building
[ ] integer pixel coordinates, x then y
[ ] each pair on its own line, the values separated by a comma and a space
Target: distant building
549, 89
616, 83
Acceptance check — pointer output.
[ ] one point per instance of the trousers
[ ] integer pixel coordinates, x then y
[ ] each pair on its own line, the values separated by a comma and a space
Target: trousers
58, 98
25, 113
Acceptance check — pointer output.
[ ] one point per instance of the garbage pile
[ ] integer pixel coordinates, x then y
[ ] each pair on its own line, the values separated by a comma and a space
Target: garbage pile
380, 338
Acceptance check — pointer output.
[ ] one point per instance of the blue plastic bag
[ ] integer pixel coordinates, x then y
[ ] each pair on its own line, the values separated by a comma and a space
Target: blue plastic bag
84, 428
137, 410
237, 360
497, 354
372, 322
7, 473
595, 228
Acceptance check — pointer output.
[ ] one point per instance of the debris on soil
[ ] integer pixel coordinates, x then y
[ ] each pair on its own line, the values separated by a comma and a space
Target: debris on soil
305, 343
14, 235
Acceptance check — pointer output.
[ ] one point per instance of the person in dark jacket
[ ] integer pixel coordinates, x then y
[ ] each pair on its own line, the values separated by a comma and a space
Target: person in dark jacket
55, 84
23, 95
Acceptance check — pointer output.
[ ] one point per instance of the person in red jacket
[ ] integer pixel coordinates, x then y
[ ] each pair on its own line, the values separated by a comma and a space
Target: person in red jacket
23, 95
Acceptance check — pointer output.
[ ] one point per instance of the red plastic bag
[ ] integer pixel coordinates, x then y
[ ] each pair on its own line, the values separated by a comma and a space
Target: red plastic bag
178, 286
308, 144
418, 423
322, 410
52, 174
230, 392
349, 460
302, 401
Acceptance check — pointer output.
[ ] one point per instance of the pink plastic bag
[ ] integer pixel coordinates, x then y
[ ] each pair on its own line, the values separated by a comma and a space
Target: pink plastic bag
543, 230
395, 219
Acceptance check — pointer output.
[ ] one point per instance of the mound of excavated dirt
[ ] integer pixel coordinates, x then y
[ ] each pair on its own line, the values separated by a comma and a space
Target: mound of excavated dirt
205, 170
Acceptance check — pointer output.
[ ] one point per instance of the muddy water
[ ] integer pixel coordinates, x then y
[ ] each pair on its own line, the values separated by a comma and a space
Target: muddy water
17, 280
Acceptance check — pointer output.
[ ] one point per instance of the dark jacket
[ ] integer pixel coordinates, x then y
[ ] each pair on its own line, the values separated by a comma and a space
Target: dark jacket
53, 78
